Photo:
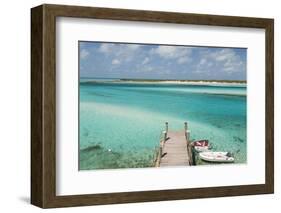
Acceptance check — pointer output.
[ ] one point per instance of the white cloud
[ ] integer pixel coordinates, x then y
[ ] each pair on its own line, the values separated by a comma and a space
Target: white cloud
84, 54
106, 48
203, 61
183, 60
120, 52
173, 52
118, 49
146, 60
226, 60
224, 54
115, 62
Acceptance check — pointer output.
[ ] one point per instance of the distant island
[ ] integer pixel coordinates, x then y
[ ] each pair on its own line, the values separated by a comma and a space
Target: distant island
185, 81
168, 81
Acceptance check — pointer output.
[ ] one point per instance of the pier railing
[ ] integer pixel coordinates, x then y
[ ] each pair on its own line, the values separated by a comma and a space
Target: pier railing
159, 148
189, 144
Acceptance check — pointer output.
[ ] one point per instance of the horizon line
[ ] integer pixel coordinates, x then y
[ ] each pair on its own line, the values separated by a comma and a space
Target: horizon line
160, 79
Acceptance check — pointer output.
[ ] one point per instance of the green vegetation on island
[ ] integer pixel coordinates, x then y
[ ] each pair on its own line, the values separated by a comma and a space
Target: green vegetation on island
173, 80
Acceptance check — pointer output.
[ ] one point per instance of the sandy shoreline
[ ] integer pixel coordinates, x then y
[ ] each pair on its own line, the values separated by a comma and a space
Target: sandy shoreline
182, 82
209, 83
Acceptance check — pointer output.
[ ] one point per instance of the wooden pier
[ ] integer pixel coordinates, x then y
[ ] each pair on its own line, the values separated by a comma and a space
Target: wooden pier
175, 148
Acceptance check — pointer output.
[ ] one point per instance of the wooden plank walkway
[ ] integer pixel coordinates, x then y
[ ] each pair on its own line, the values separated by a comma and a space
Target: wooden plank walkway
174, 150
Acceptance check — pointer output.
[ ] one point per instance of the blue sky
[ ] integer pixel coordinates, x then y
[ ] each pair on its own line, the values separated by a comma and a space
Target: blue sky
142, 61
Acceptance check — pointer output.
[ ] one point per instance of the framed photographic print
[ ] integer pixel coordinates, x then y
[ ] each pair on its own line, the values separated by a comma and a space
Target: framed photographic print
136, 106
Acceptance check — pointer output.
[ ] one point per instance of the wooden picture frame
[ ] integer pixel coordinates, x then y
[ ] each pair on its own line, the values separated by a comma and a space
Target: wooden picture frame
43, 105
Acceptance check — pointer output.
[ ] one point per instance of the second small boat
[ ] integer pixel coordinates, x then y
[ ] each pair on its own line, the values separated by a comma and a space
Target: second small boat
201, 145
219, 157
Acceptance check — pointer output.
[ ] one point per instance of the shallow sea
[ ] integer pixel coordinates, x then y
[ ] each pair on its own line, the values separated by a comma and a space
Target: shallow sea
121, 123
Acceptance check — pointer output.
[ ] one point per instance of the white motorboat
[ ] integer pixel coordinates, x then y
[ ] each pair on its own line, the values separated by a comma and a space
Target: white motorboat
219, 157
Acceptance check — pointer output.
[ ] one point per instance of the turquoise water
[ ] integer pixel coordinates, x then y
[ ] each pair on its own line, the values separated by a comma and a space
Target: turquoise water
120, 123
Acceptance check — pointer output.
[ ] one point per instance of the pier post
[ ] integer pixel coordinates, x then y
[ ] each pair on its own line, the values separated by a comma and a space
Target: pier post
185, 126
166, 126
187, 134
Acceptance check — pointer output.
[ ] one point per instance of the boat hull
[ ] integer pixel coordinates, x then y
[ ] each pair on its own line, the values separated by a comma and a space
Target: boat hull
217, 157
